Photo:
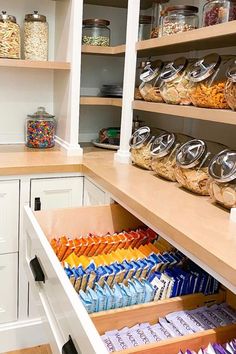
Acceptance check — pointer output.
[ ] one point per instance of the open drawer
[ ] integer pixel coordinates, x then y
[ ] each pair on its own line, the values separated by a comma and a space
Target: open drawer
73, 330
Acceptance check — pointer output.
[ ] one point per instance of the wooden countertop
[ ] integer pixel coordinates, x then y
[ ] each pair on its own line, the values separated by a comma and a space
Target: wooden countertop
192, 222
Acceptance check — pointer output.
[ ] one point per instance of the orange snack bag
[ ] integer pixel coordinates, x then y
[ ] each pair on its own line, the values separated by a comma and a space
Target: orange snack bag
90, 245
55, 245
84, 244
102, 245
70, 249
93, 250
63, 241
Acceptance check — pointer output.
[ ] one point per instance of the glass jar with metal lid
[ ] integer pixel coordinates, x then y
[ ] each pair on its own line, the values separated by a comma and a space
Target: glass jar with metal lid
208, 80
141, 65
179, 18
218, 11
175, 82
230, 88
140, 146
150, 81
10, 40
193, 159
222, 185
36, 37
96, 32
40, 129
163, 152
144, 27
157, 15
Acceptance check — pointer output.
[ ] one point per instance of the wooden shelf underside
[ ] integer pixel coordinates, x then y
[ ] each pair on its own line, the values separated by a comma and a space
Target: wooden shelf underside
101, 101
118, 50
213, 115
145, 4
26, 64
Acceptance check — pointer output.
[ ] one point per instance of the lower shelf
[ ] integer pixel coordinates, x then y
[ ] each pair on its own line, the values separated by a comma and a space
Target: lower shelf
101, 101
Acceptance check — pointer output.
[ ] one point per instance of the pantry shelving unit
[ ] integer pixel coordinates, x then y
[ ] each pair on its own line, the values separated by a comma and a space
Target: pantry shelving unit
118, 50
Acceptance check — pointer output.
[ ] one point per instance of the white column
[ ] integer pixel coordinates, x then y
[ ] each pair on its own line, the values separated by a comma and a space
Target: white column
123, 154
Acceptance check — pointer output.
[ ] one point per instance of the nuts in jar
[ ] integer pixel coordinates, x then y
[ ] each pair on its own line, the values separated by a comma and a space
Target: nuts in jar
179, 18
10, 41
230, 87
96, 32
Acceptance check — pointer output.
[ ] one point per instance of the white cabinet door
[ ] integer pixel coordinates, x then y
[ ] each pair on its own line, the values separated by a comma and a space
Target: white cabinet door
9, 214
9, 291
92, 194
58, 192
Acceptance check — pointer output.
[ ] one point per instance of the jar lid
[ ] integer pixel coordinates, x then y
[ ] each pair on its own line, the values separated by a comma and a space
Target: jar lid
35, 17
5, 17
163, 144
189, 8
96, 22
190, 154
172, 69
41, 114
139, 137
231, 73
151, 70
222, 167
145, 20
205, 67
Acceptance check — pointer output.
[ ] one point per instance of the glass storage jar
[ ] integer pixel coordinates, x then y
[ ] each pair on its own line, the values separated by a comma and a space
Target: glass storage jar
144, 27
208, 80
218, 11
175, 82
10, 40
179, 18
163, 152
222, 185
40, 129
139, 71
140, 146
193, 159
96, 32
230, 88
150, 82
36, 37
157, 15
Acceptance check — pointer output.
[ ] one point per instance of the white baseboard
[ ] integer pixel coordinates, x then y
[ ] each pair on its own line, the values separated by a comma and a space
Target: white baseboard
71, 150
87, 137
21, 334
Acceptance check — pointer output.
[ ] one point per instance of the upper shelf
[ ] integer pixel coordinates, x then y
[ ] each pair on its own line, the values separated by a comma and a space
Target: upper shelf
118, 50
101, 101
145, 4
18, 63
218, 36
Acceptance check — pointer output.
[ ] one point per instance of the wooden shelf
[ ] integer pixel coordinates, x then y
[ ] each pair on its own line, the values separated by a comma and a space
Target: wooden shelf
145, 4
218, 36
101, 101
118, 50
18, 63
213, 115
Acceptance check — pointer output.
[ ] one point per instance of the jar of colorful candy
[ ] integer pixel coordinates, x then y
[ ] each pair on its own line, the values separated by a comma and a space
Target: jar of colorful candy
40, 129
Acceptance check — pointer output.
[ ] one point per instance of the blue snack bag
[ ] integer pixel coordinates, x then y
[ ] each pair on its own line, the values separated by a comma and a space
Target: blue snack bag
101, 275
86, 301
110, 302
80, 278
109, 279
118, 296
140, 289
91, 274
149, 291
126, 295
94, 298
129, 270
133, 292
101, 306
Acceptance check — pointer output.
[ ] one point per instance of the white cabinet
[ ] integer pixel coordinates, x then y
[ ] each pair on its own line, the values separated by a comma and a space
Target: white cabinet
9, 214
92, 194
8, 293
54, 193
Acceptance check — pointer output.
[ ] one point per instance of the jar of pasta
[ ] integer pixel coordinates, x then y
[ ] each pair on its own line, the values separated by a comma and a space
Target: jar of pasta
222, 185
140, 146
163, 152
193, 159
175, 82
10, 40
208, 80
151, 82
230, 88
36, 37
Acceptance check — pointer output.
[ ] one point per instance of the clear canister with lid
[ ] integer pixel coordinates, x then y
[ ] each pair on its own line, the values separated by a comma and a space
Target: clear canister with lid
222, 172
193, 159
163, 152
144, 27
40, 129
158, 9
151, 82
230, 88
218, 11
141, 66
179, 18
175, 82
36, 37
96, 32
10, 39
140, 146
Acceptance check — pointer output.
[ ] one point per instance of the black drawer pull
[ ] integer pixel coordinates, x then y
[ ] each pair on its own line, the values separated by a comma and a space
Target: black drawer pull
37, 204
69, 347
37, 270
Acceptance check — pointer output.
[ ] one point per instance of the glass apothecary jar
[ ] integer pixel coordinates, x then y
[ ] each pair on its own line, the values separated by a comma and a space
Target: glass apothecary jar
140, 68
218, 11
151, 82
144, 27
163, 152
179, 18
208, 80
40, 129
96, 32
10, 39
193, 159
36, 37
175, 82
157, 15
230, 88
222, 185
140, 146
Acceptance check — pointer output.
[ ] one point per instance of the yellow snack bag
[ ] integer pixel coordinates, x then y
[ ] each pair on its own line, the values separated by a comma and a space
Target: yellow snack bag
72, 260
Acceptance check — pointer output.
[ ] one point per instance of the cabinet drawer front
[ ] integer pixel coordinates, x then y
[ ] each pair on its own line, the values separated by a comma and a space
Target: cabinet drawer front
9, 214
9, 288
57, 192
92, 194
64, 311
